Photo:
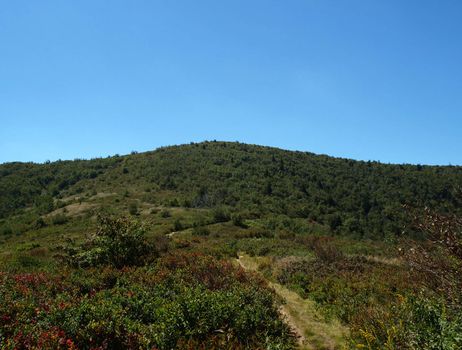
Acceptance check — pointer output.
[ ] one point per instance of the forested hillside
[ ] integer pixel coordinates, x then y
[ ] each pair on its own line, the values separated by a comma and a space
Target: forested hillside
349, 197
230, 246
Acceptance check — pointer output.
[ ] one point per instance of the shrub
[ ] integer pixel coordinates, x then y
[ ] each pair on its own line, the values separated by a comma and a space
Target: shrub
59, 219
6, 230
239, 221
154, 211
161, 244
284, 234
200, 231
428, 325
415, 322
27, 261
254, 232
133, 208
334, 221
177, 225
118, 242
325, 250
220, 215
174, 203
39, 223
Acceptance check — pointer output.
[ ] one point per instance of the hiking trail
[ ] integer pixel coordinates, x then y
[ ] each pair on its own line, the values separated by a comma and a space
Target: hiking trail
312, 330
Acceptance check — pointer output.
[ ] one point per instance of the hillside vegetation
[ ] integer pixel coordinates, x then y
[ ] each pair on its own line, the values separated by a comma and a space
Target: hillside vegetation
223, 245
350, 197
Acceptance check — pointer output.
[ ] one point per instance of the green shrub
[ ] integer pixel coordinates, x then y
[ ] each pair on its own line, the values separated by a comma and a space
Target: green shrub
177, 225
27, 261
416, 322
174, 203
59, 219
39, 223
118, 242
220, 215
6, 230
200, 231
238, 221
133, 208
428, 325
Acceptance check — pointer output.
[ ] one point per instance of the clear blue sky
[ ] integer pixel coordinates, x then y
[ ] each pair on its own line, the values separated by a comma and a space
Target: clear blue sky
363, 79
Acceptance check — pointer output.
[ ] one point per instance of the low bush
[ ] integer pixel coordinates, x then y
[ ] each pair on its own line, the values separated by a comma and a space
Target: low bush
254, 233
39, 223
59, 219
415, 322
221, 214
177, 225
238, 220
133, 208
200, 231
6, 230
184, 301
324, 248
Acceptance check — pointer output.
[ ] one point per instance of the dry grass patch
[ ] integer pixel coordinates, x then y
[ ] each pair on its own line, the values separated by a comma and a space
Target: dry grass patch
74, 209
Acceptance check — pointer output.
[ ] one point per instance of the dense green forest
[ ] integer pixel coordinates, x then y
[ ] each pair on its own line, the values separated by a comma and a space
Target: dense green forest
221, 245
350, 197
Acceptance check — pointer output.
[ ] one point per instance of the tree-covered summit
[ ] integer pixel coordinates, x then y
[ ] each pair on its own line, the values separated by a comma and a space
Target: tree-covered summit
348, 196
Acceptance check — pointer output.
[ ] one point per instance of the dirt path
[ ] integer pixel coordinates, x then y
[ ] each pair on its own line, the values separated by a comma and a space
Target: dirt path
282, 310
312, 330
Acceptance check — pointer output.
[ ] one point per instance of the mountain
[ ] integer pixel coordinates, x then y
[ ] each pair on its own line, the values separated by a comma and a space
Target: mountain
348, 197
221, 245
